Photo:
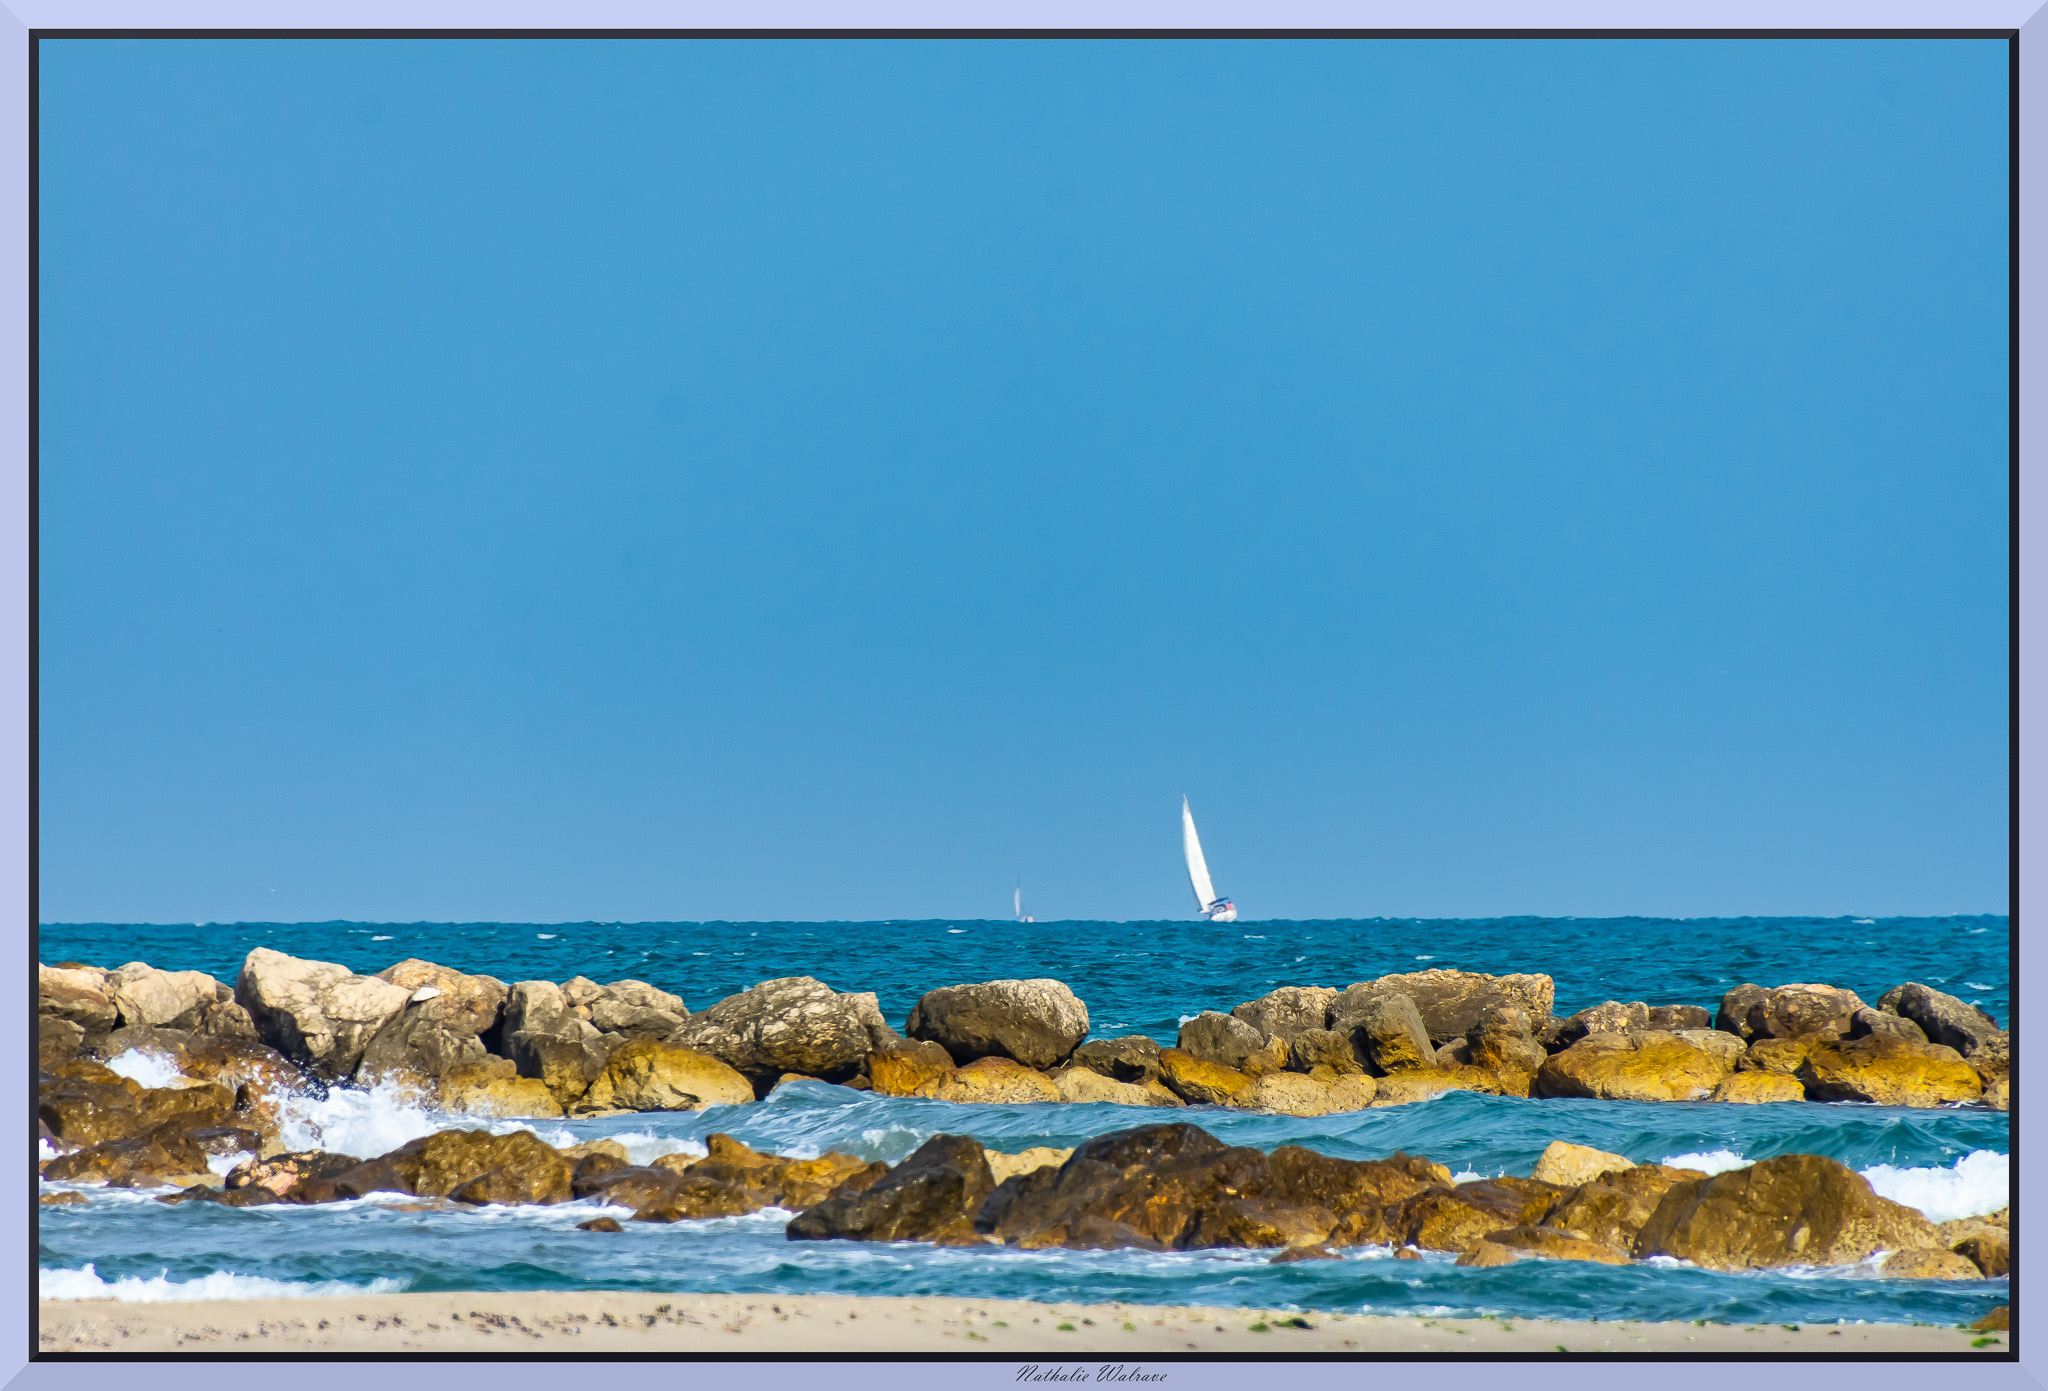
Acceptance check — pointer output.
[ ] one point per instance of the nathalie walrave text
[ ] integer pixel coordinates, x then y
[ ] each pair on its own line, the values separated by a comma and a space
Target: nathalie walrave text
1106, 1372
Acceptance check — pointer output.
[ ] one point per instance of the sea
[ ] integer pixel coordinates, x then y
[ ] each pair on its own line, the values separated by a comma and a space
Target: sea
1135, 977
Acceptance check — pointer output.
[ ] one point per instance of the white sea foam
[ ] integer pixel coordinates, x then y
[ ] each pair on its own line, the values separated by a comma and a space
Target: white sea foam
1978, 1183
45, 1150
145, 1069
1707, 1161
221, 1284
380, 939
348, 1121
224, 1164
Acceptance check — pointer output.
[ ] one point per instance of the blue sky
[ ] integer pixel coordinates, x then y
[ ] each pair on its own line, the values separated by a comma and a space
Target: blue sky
788, 479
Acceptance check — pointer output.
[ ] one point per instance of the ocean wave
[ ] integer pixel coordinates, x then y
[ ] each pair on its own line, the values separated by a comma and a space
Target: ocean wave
1978, 1183
85, 1283
1707, 1161
145, 1069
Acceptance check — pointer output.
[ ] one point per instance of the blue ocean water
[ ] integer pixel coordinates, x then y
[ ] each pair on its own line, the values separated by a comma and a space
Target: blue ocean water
1135, 977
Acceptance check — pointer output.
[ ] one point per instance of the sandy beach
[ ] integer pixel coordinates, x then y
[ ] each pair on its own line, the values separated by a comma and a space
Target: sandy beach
767, 1325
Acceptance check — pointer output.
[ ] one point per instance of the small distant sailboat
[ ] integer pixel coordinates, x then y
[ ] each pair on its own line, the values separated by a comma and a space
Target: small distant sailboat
1208, 902
1017, 904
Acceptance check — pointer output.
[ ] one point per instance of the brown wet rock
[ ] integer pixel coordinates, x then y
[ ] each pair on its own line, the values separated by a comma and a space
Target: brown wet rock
1613, 1207
1402, 1088
434, 1166
1796, 1209
1385, 1029
790, 1024
86, 1111
281, 1173
492, 1087
1929, 1264
1451, 1219
1314, 1048
1511, 1244
59, 1199
600, 1224
1081, 1086
1787, 1011
931, 1196
1225, 1039
1776, 1054
138, 1161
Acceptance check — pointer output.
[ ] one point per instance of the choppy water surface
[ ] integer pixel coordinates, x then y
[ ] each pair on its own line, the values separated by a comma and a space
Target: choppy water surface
1135, 977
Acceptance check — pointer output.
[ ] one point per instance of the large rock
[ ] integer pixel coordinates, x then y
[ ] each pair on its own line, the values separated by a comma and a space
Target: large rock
1199, 1083
1004, 1166
57, 1040
494, 1088
733, 1179
1314, 1048
1285, 1013
318, 1014
1890, 1071
78, 994
931, 1196
1452, 1218
1678, 1017
1868, 1021
1942, 1017
1293, 1094
1501, 1042
1131, 1058
1608, 1017
1385, 1029
1612, 1208
435, 1166
1568, 1165
1451, 1002
1082, 1086
162, 999
791, 1024
1226, 1039
902, 1069
1797, 1209
1162, 1187
991, 1081
157, 1156
1787, 1011
1038, 1023
545, 1040
1643, 1065
647, 1074
94, 1107
441, 1028
1928, 1264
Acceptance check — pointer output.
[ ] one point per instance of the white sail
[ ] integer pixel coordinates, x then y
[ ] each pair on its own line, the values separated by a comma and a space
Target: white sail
1017, 902
1198, 868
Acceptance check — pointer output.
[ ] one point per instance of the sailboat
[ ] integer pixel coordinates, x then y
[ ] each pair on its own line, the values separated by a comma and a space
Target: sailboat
1017, 904
1208, 902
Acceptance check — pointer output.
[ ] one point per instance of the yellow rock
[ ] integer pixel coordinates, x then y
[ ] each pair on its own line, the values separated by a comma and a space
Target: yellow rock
902, 1072
647, 1074
1641, 1065
1777, 1054
1890, 1071
494, 1091
1197, 1082
1080, 1085
1025, 1161
1286, 1094
1570, 1165
991, 1081
1751, 1088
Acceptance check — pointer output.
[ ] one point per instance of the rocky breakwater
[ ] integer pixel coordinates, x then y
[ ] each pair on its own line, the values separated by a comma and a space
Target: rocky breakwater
1177, 1187
471, 1044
